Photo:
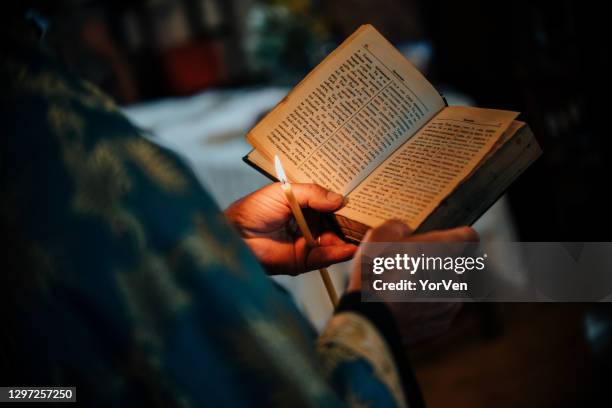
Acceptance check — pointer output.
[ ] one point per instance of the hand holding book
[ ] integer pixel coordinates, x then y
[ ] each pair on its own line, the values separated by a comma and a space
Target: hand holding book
266, 224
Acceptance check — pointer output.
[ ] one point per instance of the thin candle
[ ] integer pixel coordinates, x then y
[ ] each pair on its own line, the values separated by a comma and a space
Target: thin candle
301, 222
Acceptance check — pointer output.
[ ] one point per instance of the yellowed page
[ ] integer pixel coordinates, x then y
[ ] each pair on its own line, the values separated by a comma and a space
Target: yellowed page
350, 113
413, 181
262, 162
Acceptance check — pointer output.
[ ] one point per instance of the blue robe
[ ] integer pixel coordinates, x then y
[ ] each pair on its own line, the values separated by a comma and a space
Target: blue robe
121, 276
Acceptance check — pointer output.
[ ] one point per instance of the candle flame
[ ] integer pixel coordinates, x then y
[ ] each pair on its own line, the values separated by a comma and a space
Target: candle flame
280, 172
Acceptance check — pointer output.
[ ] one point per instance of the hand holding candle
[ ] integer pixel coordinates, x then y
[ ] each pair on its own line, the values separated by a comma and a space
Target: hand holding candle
265, 220
301, 221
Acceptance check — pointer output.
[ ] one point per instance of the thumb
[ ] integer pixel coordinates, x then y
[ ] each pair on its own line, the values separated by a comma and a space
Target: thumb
317, 197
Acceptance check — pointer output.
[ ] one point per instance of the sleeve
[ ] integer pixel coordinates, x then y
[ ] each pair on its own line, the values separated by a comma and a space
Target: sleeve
130, 285
361, 340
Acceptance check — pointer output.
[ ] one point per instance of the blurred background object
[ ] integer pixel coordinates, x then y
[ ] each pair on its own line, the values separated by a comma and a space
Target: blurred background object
197, 74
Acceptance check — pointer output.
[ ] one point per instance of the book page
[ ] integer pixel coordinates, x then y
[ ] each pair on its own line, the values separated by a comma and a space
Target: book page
350, 113
262, 162
415, 179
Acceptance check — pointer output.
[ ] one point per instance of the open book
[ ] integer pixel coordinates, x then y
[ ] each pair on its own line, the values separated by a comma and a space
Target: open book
365, 123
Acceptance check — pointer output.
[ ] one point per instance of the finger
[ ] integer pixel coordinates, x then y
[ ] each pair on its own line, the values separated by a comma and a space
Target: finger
322, 257
459, 234
317, 197
329, 238
389, 231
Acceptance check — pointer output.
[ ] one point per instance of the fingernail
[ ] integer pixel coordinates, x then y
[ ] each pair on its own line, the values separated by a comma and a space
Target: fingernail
333, 197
